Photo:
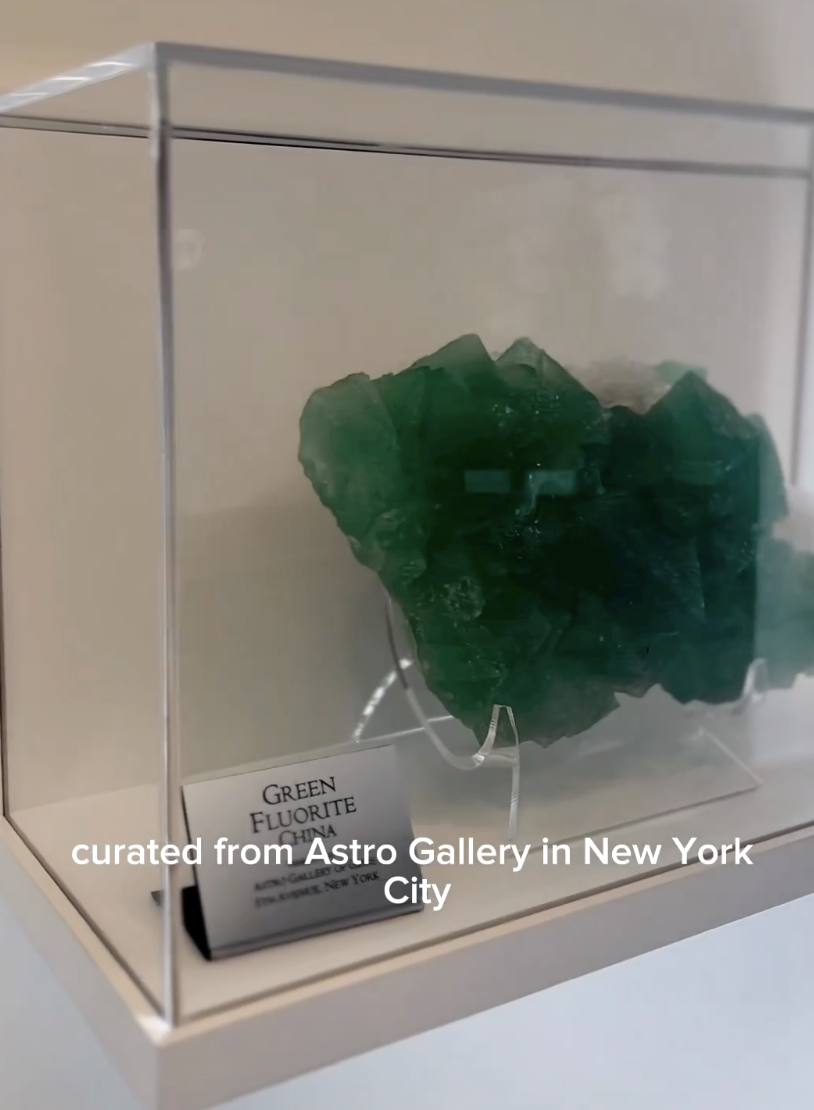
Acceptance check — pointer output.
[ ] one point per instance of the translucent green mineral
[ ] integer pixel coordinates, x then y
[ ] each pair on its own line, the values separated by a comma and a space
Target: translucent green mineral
549, 553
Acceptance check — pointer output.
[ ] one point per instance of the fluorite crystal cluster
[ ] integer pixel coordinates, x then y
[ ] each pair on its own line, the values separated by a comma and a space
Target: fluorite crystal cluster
550, 552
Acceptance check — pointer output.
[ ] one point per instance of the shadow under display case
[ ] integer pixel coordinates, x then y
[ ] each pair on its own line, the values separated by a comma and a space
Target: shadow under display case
346, 409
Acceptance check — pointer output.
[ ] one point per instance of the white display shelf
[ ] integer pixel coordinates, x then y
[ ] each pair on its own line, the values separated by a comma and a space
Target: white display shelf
265, 1041
261, 1018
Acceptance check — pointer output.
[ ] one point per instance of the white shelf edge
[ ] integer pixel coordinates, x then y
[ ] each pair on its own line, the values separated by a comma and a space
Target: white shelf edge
125, 1023
223, 1056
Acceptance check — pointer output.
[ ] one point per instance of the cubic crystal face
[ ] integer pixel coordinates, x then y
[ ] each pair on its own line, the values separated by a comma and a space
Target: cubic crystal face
548, 552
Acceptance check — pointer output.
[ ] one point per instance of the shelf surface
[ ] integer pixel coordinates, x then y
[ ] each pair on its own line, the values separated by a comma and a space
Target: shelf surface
118, 899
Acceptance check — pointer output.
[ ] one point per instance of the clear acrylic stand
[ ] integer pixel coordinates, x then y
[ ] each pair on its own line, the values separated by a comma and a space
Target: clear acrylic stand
488, 755
650, 758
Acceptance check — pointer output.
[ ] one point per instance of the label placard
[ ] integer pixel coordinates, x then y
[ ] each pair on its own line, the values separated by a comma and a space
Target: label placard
274, 816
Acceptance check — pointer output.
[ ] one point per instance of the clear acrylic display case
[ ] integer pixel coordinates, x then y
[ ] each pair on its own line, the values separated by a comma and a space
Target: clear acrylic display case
193, 242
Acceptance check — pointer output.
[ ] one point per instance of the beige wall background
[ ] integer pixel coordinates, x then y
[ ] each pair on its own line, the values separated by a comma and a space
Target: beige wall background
271, 596
734, 48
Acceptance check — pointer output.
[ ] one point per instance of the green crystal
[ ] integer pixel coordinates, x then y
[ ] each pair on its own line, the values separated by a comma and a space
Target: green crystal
548, 553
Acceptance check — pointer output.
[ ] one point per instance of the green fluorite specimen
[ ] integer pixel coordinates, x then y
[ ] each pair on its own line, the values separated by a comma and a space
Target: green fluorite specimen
548, 553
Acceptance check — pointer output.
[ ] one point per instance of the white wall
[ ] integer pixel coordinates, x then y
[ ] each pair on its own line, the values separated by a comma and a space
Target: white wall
724, 1020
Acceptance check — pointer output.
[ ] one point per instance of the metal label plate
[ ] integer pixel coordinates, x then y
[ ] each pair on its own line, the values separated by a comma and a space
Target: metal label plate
352, 797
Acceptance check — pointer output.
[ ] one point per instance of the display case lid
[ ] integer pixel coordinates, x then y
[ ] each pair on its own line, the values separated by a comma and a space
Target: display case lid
202, 92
